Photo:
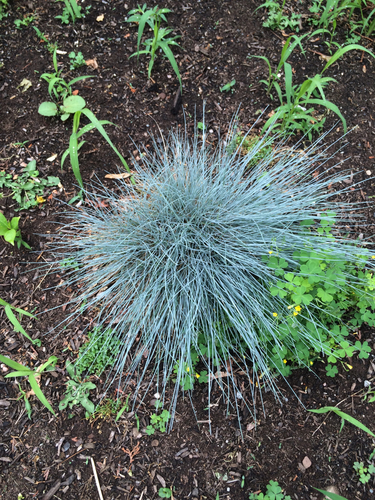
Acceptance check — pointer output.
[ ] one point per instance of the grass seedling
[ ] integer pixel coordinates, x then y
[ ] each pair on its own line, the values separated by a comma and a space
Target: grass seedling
10, 231
74, 145
153, 18
28, 189
42, 37
57, 86
185, 254
71, 11
16, 323
296, 111
32, 375
344, 416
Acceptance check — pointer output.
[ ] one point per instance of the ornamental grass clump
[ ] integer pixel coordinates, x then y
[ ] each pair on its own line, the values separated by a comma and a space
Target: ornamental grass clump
178, 264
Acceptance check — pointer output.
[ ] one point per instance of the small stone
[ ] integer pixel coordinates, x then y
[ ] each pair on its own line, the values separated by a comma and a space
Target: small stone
65, 446
306, 462
368, 172
155, 443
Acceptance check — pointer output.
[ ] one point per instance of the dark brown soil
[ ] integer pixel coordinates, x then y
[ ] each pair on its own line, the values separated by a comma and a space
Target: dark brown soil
50, 457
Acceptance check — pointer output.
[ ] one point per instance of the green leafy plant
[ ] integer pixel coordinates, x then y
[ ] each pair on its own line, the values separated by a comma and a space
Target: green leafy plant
72, 11
273, 492
25, 400
76, 60
158, 422
42, 37
185, 253
98, 352
32, 375
75, 146
153, 18
16, 322
3, 8
28, 189
228, 87
296, 110
277, 19
344, 416
77, 392
10, 232
274, 76
58, 88
341, 293
370, 393
246, 143
364, 473
24, 22
165, 492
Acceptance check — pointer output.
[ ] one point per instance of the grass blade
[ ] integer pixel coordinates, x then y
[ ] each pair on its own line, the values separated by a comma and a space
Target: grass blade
39, 394
167, 51
344, 416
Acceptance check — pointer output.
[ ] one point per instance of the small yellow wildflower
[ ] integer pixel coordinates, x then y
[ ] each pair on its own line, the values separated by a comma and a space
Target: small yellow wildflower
311, 363
197, 375
274, 315
349, 366
270, 251
373, 256
295, 313
187, 369
285, 361
40, 199
298, 308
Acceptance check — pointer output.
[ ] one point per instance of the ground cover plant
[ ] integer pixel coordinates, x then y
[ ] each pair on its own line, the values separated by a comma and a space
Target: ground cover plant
215, 451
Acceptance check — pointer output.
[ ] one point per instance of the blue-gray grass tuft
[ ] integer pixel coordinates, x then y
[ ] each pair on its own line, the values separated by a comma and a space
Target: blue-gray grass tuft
180, 257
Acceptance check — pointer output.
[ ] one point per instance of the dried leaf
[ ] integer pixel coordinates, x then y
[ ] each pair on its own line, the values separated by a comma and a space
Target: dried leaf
93, 63
25, 84
52, 158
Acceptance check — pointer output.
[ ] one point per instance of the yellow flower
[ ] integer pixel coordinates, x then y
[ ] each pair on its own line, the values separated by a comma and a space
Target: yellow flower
311, 363
298, 308
270, 251
349, 366
274, 315
197, 375
40, 199
373, 256
285, 361
187, 369
295, 313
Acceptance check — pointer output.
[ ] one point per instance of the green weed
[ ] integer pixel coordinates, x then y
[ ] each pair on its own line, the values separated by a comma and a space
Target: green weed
10, 231
28, 189
77, 392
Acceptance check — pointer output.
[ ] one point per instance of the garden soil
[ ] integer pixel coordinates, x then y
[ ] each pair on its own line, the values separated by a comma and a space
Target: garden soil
204, 456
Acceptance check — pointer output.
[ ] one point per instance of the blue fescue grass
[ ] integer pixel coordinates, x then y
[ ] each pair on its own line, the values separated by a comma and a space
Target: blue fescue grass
181, 254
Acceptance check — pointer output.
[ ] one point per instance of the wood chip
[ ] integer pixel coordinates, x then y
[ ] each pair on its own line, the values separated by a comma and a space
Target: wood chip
161, 480
124, 175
